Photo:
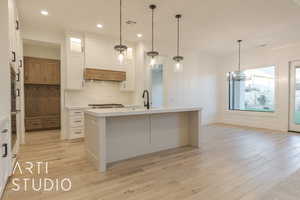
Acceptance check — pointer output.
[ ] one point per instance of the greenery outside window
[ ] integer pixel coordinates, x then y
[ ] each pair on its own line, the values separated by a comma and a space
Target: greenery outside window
256, 92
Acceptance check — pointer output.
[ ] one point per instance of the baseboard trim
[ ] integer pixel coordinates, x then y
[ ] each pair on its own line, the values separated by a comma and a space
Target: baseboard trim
250, 127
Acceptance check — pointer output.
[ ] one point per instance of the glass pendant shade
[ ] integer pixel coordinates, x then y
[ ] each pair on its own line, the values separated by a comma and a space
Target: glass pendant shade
152, 62
178, 67
239, 76
121, 57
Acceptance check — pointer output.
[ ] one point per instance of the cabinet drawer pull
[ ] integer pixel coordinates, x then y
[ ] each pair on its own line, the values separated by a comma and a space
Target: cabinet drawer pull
20, 63
17, 25
5, 150
78, 132
77, 112
14, 56
4, 131
18, 77
35, 124
78, 121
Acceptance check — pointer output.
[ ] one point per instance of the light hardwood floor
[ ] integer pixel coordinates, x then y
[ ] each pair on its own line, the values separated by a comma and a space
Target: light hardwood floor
232, 163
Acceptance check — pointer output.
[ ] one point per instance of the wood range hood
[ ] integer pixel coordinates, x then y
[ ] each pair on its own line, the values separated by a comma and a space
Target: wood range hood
104, 75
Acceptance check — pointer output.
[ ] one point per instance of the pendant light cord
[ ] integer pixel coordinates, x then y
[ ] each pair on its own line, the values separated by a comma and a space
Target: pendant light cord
120, 22
153, 29
239, 41
178, 36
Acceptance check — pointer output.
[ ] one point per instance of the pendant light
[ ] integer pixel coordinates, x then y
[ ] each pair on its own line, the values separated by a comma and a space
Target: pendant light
178, 59
152, 54
121, 49
239, 75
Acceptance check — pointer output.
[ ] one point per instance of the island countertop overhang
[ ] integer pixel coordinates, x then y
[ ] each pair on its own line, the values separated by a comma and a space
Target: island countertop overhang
115, 112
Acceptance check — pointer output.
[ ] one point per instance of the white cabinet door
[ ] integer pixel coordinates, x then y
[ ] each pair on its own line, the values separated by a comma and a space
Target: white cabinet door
12, 30
75, 62
129, 84
5, 153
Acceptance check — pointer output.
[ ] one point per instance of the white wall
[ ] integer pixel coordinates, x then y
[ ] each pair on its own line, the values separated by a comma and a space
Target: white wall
195, 86
39, 51
4, 62
260, 57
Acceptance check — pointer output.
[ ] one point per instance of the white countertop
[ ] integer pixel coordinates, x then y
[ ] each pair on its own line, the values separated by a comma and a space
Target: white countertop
83, 107
137, 111
76, 107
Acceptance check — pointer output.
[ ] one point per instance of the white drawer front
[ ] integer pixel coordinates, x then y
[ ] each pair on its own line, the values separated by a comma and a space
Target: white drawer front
76, 133
76, 122
78, 113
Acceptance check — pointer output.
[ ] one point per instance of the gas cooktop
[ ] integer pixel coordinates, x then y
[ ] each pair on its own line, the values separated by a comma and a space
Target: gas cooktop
102, 106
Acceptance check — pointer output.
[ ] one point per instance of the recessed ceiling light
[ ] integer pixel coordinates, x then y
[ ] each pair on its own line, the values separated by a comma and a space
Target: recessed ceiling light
44, 12
99, 26
139, 35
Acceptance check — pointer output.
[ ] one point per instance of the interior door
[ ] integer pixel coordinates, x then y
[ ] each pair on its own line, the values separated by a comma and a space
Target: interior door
294, 110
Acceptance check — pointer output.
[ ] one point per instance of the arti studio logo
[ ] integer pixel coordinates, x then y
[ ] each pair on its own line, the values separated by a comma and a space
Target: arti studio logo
44, 184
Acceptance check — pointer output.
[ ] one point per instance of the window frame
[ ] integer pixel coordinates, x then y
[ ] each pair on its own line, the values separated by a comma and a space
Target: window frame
253, 112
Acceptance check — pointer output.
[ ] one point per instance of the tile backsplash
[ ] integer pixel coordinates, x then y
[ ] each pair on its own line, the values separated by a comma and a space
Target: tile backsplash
98, 92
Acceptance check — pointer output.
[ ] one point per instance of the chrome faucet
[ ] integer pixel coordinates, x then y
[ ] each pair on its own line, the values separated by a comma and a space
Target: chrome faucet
147, 103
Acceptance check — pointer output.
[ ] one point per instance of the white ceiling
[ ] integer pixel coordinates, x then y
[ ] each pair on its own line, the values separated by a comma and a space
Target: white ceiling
208, 25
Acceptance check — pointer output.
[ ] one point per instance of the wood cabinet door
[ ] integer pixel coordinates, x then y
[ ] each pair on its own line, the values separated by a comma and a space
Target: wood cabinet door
41, 71
33, 70
51, 72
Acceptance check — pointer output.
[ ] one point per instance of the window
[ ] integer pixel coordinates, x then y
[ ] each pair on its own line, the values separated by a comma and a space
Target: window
254, 92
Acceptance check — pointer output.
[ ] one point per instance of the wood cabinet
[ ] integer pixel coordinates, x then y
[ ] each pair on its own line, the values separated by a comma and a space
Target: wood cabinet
41, 71
42, 93
42, 122
104, 75
42, 103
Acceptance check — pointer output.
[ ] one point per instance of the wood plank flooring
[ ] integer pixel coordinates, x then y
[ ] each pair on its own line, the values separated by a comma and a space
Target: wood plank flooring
232, 163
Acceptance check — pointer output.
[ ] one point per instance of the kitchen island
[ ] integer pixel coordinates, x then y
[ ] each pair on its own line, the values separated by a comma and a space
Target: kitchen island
122, 133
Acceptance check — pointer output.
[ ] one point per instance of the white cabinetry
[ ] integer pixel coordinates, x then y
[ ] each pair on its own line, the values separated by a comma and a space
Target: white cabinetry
12, 23
129, 84
16, 63
100, 54
75, 61
75, 123
5, 153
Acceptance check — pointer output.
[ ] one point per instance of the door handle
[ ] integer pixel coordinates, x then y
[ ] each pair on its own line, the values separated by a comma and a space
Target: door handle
20, 63
18, 92
5, 146
4, 131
